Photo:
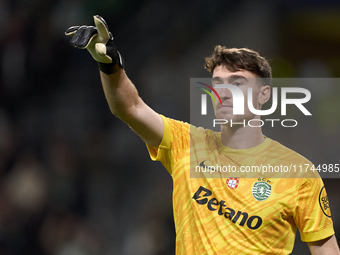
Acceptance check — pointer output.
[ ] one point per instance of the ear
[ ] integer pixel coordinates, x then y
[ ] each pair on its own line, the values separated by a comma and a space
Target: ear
264, 95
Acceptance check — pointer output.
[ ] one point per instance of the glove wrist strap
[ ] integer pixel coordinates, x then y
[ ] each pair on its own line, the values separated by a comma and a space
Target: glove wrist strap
112, 67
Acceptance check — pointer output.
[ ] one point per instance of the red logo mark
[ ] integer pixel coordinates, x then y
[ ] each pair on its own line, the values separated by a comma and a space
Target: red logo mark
233, 182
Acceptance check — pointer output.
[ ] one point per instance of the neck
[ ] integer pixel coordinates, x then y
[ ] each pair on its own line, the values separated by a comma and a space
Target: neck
241, 137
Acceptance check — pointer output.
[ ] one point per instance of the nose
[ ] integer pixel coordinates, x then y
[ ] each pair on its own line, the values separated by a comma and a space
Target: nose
224, 93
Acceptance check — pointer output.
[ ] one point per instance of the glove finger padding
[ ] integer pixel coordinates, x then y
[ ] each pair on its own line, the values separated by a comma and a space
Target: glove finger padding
71, 30
103, 30
83, 36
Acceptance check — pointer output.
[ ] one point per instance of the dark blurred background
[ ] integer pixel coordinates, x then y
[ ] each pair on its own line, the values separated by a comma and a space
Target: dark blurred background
73, 178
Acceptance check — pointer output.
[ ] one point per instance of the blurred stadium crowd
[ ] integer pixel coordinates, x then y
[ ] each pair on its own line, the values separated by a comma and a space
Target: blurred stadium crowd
75, 180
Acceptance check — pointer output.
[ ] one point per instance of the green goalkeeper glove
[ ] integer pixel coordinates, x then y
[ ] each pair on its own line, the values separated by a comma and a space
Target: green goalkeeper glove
98, 40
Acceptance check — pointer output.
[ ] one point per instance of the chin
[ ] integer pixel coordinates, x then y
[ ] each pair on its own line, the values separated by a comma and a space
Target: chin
226, 117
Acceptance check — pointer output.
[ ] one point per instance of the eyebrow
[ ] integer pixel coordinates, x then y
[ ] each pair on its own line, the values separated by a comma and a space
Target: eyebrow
230, 79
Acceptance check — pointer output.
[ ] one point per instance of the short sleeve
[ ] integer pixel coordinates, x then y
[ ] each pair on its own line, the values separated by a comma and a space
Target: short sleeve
312, 214
175, 141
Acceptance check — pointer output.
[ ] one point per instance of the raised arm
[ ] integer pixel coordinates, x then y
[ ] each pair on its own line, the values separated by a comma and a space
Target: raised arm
120, 93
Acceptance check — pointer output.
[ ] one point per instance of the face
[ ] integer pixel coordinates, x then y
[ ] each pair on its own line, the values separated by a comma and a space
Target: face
243, 80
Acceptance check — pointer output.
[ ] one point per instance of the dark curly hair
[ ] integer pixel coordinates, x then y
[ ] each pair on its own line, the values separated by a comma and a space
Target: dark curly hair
240, 59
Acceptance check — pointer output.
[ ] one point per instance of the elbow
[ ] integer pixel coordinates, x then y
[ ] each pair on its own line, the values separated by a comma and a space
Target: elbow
125, 114
126, 111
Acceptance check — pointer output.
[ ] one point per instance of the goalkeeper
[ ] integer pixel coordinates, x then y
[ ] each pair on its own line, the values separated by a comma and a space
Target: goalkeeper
217, 215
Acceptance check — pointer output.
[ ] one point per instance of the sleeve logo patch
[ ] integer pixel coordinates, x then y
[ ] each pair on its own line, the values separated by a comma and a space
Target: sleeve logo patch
261, 190
324, 203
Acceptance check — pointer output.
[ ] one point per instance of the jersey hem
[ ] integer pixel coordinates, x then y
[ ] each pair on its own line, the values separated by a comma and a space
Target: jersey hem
316, 236
156, 154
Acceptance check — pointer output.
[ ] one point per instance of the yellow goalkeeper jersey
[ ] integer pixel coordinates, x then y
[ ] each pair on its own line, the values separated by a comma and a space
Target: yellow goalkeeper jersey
232, 214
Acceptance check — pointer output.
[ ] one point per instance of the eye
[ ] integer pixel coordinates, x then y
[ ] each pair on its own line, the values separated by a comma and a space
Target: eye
237, 83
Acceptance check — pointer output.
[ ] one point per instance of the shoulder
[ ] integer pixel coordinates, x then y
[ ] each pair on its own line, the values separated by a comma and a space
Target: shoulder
285, 152
178, 126
204, 135
297, 165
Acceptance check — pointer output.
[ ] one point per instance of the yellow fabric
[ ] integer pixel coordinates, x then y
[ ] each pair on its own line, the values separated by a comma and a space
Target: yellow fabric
213, 218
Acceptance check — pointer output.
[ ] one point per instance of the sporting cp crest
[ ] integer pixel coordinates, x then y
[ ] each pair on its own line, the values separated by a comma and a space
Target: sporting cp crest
261, 190
233, 182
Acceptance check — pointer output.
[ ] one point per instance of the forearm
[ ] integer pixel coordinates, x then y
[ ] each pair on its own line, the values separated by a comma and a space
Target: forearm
328, 246
121, 95
125, 103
